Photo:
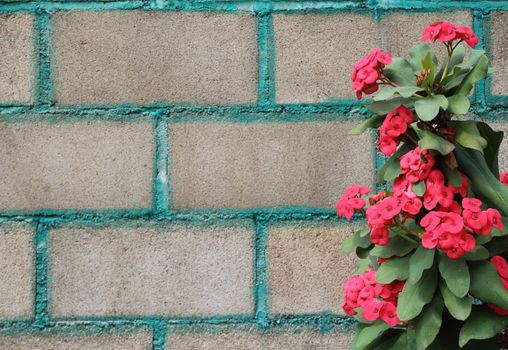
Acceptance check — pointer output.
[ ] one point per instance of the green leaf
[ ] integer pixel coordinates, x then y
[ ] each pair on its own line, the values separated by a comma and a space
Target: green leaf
473, 164
494, 139
356, 240
400, 72
453, 176
385, 107
482, 324
419, 188
391, 168
417, 54
428, 107
477, 73
397, 246
363, 265
467, 134
429, 140
393, 269
458, 104
429, 65
456, 274
429, 323
460, 308
486, 284
373, 122
478, 253
385, 92
414, 296
421, 260
366, 334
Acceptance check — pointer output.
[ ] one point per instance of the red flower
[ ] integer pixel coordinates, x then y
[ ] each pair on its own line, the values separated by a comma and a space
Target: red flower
502, 269
367, 71
388, 313
446, 32
466, 34
351, 201
394, 125
379, 235
412, 165
504, 178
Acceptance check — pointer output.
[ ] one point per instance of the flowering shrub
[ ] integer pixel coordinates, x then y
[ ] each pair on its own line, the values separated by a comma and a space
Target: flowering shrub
434, 274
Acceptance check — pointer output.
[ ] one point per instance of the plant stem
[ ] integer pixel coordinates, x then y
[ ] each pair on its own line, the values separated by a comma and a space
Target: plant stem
449, 50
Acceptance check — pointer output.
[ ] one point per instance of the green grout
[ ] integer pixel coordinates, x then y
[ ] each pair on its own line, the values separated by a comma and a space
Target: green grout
44, 78
479, 28
161, 193
261, 280
266, 60
41, 280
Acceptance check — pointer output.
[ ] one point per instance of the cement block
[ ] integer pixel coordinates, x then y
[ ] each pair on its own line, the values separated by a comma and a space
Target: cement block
315, 54
221, 165
17, 268
499, 46
146, 56
178, 270
503, 150
75, 165
131, 341
307, 268
254, 340
402, 30
17, 63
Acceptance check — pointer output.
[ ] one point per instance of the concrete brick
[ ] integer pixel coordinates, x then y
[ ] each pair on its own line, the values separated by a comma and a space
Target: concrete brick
400, 31
307, 268
75, 165
17, 63
140, 56
503, 150
168, 270
499, 45
255, 341
17, 269
315, 54
132, 341
265, 164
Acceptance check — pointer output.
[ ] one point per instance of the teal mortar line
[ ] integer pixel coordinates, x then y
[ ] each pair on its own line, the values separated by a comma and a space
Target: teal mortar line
266, 59
43, 78
479, 29
261, 280
41, 280
161, 193
160, 330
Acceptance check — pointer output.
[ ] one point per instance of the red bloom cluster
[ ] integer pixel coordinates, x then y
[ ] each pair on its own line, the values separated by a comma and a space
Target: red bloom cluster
351, 200
367, 71
502, 269
446, 32
394, 125
503, 177
376, 300
451, 229
413, 168
380, 216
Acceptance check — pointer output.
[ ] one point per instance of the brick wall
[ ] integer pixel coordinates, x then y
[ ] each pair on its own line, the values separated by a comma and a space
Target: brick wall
168, 169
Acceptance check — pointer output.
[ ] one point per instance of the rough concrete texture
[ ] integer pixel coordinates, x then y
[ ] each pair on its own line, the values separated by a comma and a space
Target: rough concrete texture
257, 341
131, 341
265, 164
75, 165
499, 45
17, 271
503, 150
400, 31
140, 56
315, 54
16, 65
170, 270
307, 268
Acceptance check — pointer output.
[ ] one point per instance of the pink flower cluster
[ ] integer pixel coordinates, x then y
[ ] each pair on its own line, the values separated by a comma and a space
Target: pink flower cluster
503, 177
376, 300
447, 32
414, 168
367, 71
502, 269
394, 125
351, 200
